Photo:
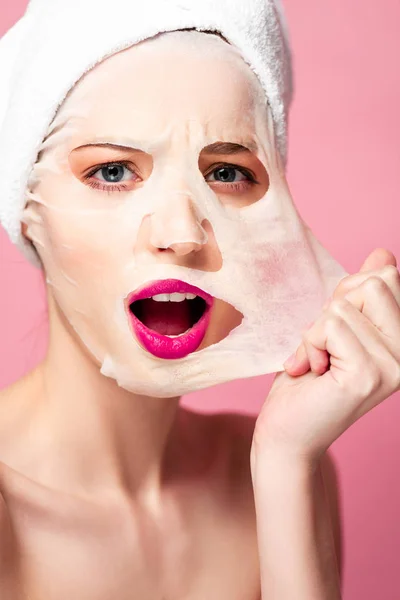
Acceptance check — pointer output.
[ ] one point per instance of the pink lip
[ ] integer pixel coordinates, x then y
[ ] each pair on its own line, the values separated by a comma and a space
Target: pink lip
160, 345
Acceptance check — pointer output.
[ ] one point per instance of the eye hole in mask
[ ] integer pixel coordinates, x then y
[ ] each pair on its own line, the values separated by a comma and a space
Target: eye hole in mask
238, 182
110, 168
238, 178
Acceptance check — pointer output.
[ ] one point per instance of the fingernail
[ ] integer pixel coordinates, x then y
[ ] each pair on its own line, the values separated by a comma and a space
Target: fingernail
290, 362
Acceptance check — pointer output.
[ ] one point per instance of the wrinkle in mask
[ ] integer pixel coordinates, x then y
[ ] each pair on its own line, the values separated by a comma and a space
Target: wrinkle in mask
166, 100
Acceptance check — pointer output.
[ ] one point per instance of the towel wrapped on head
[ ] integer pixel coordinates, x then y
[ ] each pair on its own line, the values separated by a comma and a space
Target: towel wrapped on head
55, 43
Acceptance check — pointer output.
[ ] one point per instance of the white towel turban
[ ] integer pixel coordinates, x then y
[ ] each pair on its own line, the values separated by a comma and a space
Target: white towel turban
56, 42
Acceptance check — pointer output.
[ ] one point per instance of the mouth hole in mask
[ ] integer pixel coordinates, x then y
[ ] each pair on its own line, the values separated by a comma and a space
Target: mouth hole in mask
169, 317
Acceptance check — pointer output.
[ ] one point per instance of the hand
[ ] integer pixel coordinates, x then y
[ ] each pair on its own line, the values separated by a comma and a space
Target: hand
347, 363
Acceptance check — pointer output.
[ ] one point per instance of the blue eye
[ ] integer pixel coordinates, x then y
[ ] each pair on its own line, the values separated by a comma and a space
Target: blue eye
228, 175
112, 177
113, 173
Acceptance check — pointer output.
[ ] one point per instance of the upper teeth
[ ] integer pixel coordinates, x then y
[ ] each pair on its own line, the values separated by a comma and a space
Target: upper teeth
173, 297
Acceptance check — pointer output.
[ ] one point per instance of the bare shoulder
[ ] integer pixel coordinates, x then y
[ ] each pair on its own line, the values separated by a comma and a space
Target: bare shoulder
10, 580
4, 518
7, 555
6, 395
17, 403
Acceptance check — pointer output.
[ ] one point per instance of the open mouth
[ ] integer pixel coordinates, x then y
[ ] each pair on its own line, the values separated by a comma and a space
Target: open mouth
169, 314
170, 317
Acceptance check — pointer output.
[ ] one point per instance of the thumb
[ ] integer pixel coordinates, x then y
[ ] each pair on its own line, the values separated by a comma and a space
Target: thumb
379, 258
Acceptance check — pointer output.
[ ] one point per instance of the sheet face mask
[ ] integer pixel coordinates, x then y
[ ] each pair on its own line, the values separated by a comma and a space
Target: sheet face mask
166, 101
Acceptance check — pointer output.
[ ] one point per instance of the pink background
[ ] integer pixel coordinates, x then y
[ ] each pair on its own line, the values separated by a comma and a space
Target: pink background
343, 167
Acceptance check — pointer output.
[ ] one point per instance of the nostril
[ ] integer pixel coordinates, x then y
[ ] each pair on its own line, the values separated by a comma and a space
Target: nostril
183, 248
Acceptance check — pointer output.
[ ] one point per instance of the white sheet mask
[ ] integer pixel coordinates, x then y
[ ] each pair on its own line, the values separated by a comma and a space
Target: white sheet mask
170, 98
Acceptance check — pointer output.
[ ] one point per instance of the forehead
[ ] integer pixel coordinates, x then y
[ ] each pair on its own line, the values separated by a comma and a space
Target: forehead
184, 80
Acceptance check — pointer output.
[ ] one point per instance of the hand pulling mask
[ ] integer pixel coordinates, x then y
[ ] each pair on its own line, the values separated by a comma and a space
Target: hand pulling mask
160, 210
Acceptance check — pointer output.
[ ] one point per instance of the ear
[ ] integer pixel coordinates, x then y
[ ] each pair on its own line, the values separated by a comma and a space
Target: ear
25, 221
24, 230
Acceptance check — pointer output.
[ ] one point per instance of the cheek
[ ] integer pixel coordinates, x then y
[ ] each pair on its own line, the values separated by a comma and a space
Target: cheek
73, 243
75, 229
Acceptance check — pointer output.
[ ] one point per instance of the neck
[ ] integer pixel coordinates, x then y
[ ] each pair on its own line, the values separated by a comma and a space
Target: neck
100, 434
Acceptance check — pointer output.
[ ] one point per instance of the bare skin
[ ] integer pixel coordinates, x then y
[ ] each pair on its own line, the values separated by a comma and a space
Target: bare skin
191, 533
107, 494
137, 486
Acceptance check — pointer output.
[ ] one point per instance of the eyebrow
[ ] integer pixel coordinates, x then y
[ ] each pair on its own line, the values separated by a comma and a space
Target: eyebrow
108, 145
228, 148
218, 148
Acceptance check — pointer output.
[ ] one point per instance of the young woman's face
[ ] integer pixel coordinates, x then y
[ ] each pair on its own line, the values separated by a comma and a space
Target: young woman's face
152, 155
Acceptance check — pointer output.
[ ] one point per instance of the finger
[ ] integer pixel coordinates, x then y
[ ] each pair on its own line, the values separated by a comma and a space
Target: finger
314, 352
372, 313
381, 354
358, 373
389, 274
378, 298
375, 300
306, 358
379, 258
302, 361
333, 334
317, 359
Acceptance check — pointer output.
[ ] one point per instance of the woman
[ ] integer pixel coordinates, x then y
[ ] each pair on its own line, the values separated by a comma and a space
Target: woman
145, 209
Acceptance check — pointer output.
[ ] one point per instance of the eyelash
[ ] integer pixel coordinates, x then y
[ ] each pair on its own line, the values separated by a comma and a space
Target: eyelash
98, 185
236, 187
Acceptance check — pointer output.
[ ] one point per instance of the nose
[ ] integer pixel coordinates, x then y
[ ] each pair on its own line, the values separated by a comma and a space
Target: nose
183, 248
177, 225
